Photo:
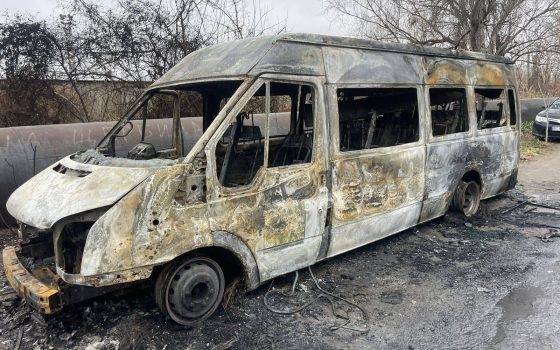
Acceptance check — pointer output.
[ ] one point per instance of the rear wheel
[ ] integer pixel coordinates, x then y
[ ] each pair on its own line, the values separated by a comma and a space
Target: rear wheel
190, 290
466, 198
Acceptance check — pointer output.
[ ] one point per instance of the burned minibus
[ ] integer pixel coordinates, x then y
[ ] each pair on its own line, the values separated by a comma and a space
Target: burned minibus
284, 151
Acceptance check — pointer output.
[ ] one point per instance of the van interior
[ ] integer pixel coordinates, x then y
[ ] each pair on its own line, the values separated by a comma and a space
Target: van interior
241, 150
377, 117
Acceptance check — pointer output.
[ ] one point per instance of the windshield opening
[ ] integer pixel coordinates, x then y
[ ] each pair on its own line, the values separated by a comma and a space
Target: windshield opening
166, 123
555, 104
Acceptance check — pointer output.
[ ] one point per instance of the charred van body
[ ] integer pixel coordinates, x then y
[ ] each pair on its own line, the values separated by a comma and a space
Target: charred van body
309, 146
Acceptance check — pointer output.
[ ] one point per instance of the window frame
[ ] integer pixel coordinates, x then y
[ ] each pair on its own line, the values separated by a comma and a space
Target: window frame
517, 105
315, 121
332, 90
498, 129
211, 173
452, 136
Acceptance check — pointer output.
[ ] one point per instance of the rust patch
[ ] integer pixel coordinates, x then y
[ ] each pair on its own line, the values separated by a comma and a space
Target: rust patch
446, 72
487, 74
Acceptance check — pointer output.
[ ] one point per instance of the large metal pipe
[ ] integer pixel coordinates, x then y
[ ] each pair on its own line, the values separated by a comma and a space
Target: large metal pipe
26, 150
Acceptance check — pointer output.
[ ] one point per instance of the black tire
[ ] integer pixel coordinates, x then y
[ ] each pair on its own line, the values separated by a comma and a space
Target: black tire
466, 198
190, 290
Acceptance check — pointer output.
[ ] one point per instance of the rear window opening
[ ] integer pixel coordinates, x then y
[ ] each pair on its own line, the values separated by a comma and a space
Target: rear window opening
490, 108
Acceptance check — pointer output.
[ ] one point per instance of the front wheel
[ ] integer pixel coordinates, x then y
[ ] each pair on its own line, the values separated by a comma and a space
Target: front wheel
190, 290
466, 198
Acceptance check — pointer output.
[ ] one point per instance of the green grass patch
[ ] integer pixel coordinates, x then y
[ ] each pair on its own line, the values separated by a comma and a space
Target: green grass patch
530, 145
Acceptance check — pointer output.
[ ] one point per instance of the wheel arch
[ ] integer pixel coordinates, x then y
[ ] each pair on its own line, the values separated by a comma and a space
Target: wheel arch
228, 249
235, 245
469, 174
473, 175
458, 198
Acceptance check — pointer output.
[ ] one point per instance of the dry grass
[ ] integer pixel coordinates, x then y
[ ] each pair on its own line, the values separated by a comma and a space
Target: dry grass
229, 293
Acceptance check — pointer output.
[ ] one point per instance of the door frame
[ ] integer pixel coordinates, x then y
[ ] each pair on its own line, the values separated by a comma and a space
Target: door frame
284, 258
377, 219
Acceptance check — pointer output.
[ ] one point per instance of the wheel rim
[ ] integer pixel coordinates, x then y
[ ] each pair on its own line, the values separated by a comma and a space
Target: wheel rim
470, 198
194, 290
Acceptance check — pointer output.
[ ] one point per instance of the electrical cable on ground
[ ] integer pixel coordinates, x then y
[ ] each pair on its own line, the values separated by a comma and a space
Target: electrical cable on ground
8, 226
323, 295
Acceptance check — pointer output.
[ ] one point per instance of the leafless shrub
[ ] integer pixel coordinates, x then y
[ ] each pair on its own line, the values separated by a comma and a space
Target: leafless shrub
90, 63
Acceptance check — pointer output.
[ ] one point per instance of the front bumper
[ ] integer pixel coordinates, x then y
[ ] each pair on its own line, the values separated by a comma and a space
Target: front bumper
48, 293
539, 130
39, 295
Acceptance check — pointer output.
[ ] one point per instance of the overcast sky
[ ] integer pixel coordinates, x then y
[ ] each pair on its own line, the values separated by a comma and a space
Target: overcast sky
303, 15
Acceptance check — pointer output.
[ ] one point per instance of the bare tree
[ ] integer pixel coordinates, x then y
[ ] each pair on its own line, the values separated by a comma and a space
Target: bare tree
94, 56
238, 19
506, 27
141, 39
26, 56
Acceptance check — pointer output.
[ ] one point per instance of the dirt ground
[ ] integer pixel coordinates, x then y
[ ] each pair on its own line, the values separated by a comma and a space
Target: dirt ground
488, 282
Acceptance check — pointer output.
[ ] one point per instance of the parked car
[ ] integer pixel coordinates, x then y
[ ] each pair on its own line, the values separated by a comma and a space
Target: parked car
552, 112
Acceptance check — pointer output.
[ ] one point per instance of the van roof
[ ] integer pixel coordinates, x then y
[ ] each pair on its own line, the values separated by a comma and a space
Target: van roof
368, 44
308, 54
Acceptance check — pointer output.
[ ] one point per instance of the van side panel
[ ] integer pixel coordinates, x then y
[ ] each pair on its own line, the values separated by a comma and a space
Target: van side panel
375, 195
500, 161
445, 71
492, 153
447, 162
493, 156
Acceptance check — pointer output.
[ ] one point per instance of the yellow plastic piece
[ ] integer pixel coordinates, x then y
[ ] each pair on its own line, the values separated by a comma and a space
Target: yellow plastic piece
37, 294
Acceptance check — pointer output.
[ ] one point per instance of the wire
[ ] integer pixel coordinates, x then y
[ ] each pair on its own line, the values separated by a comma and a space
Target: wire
323, 295
8, 226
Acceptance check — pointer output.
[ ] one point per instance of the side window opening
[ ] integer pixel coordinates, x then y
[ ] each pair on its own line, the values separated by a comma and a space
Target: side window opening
448, 111
290, 124
240, 152
512, 107
490, 108
377, 117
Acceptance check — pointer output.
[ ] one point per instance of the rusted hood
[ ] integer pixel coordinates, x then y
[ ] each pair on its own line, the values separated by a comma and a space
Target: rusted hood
68, 187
